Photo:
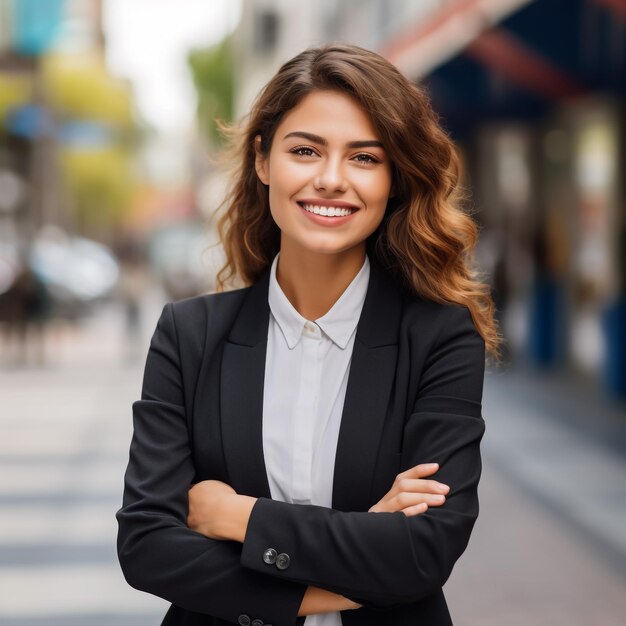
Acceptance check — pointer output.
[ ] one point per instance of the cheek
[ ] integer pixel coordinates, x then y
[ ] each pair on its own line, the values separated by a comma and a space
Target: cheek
276, 202
282, 209
376, 220
282, 185
284, 171
374, 188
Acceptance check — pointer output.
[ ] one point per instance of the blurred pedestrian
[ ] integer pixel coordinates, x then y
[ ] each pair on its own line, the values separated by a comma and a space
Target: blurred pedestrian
131, 288
25, 309
309, 444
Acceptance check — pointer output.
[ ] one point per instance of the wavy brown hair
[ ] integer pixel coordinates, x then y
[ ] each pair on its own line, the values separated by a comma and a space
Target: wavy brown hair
425, 239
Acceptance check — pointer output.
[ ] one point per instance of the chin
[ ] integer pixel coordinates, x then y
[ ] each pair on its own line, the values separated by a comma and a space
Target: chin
325, 246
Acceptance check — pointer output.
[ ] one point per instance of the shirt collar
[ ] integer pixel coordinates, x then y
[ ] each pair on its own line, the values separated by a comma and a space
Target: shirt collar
338, 323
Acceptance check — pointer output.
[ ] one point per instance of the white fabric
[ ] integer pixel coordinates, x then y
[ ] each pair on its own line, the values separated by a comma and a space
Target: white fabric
306, 374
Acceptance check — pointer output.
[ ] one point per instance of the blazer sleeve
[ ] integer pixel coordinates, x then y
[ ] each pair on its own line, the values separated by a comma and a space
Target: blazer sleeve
382, 560
157, 551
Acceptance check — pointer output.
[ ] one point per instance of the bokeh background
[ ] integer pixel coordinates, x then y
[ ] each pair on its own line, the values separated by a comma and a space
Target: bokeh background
109, 184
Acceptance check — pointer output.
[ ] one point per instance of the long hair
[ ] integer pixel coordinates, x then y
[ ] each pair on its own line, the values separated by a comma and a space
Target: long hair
425, 239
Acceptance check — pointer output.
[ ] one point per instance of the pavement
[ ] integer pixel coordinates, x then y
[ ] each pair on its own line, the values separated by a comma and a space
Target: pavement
549, 546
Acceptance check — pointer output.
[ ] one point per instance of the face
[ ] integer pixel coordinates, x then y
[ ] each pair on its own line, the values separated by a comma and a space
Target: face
328, 174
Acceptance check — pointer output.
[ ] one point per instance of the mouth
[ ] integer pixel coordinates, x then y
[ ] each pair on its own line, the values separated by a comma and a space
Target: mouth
328, 211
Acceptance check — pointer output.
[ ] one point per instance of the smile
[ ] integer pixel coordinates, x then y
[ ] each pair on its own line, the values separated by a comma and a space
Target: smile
328, 211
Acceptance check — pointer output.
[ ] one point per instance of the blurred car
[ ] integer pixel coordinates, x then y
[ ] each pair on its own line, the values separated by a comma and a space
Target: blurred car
78, 272
75, 272
183, 259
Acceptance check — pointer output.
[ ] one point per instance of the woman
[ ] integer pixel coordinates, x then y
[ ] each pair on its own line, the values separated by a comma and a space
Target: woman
286, 429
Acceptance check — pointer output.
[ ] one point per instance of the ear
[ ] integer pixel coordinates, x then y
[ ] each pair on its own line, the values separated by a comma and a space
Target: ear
260, 163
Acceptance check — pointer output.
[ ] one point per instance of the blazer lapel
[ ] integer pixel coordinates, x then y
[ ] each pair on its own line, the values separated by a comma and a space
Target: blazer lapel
370, 381
372, 372
241, 397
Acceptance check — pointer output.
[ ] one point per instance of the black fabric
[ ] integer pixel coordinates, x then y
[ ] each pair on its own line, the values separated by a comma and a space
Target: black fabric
413, 396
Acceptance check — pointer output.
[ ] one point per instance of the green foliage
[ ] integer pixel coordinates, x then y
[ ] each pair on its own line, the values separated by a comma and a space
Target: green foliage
15, 90
79, 87
99, 180
101, 185
212, 72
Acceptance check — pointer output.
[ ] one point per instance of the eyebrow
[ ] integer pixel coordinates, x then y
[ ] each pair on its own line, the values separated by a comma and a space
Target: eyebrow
366, 143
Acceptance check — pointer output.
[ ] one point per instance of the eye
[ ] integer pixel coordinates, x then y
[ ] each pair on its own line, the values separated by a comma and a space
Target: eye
303, 151
363, 157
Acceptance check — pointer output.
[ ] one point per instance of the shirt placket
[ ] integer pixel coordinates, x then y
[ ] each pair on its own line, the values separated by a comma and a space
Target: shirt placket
306, 414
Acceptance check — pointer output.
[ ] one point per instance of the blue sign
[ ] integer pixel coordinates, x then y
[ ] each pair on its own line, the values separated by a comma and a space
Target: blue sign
35, 25
29, 121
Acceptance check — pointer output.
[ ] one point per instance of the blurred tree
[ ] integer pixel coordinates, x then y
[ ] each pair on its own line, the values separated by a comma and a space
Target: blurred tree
212, 72
79, 87
15, 90
97, 136
101, 187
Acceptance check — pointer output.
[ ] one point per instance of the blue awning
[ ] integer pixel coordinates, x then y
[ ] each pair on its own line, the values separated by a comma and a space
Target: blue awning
521, 65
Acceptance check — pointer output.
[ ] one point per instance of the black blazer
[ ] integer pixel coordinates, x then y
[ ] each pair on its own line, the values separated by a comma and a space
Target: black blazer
413, 396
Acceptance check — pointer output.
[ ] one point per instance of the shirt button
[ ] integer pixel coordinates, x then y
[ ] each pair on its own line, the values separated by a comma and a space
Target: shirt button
257, 622
244, 620
269, 556
283, 560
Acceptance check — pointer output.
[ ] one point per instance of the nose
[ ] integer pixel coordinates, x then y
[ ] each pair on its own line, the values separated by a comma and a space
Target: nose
330, 175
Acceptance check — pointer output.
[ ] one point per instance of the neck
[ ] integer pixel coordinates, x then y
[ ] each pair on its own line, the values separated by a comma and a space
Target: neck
313, 282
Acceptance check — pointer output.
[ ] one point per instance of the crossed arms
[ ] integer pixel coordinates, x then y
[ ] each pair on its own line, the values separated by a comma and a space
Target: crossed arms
380, 558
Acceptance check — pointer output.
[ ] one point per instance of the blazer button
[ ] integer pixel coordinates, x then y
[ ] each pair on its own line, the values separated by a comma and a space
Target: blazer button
269, 556
257, 622
282, 560
244, 620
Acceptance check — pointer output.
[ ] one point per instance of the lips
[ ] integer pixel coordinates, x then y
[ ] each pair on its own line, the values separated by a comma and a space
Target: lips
328, 209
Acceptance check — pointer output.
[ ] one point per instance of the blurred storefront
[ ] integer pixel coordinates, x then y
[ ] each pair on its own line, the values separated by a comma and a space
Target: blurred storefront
537, 104
533, 92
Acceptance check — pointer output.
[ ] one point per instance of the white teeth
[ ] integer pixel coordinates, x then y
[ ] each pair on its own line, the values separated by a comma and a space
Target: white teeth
328, 211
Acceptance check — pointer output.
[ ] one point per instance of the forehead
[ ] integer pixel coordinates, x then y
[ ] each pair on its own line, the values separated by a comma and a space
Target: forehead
331, 114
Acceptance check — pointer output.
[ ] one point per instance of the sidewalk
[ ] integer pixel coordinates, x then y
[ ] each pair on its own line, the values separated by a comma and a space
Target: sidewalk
564, 445
97, 340
549, 546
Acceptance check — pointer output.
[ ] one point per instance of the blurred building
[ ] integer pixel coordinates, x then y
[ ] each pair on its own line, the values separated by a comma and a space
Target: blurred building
533, 93
66, 141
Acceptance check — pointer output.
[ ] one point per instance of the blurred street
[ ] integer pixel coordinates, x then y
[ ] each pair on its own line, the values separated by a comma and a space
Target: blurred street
66, 430
549, 546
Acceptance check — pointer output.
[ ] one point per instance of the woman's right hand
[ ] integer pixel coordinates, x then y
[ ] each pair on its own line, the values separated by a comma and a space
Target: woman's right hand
411, 494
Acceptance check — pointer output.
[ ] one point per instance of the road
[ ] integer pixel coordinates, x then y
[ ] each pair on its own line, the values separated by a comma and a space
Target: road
548, 547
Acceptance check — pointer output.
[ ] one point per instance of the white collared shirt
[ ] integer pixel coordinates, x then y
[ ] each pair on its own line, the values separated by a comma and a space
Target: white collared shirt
306, 375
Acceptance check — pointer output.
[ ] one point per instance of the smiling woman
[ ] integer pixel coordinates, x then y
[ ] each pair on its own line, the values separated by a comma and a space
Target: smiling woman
328, 196
289, 432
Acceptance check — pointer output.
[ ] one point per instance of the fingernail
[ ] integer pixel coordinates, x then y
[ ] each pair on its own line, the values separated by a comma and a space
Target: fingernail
443, 487
439, 498
431, 465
